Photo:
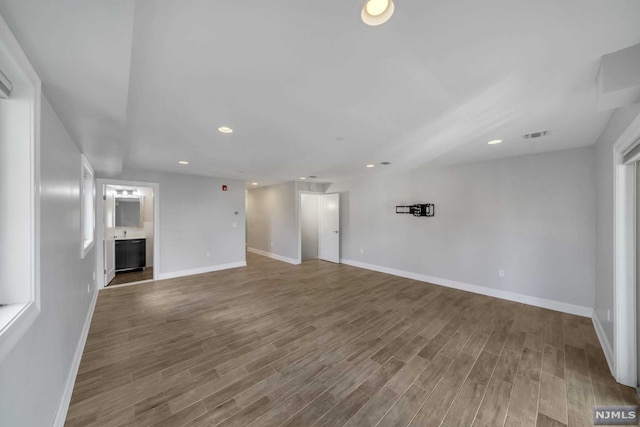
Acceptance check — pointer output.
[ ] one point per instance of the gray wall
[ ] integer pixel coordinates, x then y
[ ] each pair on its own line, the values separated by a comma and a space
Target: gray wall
196, 218
272, 220
34, 373
309, 226
604, 291
532, 216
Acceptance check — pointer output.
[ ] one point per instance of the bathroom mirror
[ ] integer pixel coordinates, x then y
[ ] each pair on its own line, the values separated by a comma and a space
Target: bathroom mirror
128, 211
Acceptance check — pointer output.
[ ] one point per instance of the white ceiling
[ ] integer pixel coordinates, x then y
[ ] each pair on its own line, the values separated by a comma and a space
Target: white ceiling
311, 90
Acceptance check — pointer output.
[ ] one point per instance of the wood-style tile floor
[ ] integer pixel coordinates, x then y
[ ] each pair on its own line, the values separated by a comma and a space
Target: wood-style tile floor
330, 345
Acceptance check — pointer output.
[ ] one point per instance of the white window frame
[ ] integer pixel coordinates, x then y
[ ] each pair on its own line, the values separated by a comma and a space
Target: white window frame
87, 206
623, 366
17, 317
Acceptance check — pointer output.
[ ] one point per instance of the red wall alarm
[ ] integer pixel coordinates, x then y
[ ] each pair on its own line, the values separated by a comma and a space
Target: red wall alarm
224, 187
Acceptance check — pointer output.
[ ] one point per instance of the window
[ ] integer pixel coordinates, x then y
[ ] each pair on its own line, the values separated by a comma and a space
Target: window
88, 208
19, 201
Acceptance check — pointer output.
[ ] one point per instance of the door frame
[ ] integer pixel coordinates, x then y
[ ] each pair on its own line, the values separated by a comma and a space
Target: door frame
624, 297
100, 183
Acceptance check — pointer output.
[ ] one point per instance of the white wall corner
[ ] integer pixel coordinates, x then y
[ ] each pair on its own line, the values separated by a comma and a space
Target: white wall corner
604, 341
275, 256
482, 290
63, 407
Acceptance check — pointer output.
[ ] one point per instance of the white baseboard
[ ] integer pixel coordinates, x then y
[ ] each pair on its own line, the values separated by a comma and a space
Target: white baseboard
604, 342
209, 269
274, 256
63, 407
496, 293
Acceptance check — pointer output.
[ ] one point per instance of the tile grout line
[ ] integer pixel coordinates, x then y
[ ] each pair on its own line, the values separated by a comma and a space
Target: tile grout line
461, 385
506, 415
484, 394
412, 383
438, 383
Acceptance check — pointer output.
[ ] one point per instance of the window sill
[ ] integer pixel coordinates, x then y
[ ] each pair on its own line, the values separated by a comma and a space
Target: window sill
15, 320
86, 247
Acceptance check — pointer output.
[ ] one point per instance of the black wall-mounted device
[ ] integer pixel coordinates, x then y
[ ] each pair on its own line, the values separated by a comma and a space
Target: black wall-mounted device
427, 209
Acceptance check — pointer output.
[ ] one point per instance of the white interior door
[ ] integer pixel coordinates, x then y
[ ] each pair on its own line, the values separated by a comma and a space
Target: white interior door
329, 228
109, 239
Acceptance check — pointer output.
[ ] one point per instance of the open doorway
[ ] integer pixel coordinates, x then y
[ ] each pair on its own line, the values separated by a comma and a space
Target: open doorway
309, 224
319, 227
128, 219
127, 232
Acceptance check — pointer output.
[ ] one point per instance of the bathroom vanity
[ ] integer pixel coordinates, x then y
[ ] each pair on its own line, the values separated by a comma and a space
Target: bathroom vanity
130, 253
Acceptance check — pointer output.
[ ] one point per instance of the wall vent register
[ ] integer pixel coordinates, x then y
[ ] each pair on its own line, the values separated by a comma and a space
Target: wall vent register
536, 134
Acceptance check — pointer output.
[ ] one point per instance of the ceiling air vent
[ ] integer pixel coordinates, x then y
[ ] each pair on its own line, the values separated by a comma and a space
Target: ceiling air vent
536, 134
385, 163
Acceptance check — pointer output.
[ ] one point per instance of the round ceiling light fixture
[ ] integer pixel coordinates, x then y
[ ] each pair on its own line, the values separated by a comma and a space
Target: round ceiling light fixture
494, 142
377, 12
225, 129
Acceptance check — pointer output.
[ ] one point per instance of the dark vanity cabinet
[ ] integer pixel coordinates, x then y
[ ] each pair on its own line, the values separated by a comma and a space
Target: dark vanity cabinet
130, 254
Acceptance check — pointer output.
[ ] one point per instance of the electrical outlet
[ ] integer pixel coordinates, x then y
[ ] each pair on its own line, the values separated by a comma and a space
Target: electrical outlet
501, 273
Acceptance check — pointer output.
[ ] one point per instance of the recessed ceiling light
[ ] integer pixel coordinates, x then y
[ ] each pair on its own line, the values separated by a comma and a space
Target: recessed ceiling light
254, 183
494, 142
183, 162
376, 7
303, 177
225, 129
377, 12
371, 166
